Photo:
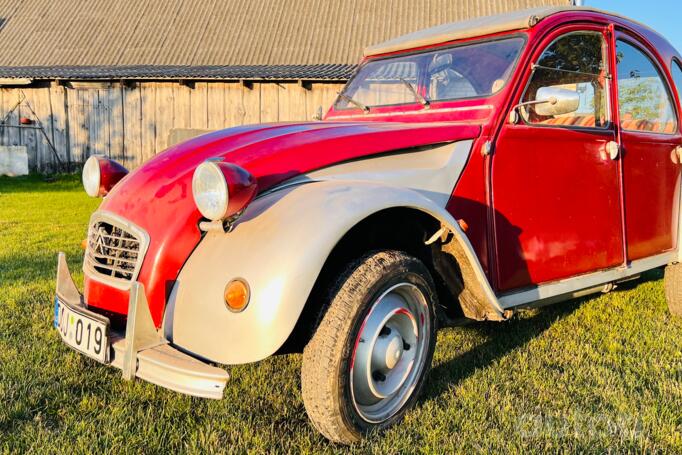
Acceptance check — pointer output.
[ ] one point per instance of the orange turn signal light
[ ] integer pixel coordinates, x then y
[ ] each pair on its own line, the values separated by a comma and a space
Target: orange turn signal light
237, 295
84, 244
463, 224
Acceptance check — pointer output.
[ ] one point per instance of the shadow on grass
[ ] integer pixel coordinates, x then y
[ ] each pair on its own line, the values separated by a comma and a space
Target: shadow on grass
20, 267
505, 337
502, 338
36, 183
649, 275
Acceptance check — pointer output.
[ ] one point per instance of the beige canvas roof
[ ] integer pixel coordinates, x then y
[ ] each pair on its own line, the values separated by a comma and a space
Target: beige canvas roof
515, 20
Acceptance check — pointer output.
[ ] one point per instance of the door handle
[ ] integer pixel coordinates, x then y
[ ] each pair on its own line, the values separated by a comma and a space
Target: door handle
612, 149
676, 155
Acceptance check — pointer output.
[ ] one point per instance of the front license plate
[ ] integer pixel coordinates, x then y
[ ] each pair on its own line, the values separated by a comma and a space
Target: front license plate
81, 332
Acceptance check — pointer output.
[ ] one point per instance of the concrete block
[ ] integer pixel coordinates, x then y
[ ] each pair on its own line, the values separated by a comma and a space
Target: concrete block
13, 160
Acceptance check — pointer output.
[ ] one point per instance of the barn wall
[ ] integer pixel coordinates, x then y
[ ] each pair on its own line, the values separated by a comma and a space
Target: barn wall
131, 124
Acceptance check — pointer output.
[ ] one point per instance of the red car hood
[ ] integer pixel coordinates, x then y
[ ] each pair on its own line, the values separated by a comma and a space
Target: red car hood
158, 195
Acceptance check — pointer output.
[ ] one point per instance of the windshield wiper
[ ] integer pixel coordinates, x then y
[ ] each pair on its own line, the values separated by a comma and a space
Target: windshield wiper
355, 103
417, 96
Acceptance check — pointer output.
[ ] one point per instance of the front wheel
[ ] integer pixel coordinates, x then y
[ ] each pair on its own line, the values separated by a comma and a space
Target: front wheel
366, 363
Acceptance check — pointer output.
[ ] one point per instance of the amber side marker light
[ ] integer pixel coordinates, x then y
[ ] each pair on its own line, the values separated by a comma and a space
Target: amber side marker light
463, 224
237, 295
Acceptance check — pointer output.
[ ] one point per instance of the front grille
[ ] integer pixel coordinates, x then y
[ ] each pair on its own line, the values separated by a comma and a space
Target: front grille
112, 251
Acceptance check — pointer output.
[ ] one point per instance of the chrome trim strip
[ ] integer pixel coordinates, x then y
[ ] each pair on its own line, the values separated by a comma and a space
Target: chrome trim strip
396, 114
138, 232
590, 280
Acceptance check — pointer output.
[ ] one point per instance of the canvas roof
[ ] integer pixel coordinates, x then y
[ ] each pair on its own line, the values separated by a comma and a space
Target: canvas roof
486, 25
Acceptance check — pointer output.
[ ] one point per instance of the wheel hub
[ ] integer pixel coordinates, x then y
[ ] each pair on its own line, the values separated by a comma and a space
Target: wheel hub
388, 351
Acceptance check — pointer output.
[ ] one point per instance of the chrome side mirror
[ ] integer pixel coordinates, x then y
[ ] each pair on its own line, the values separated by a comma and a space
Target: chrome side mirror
549, 101
556, 101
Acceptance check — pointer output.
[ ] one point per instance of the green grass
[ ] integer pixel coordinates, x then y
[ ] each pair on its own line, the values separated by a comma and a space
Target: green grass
600, 374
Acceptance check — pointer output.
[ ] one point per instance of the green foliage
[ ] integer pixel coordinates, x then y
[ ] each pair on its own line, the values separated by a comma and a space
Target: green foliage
598, 375
640, 98
581, 52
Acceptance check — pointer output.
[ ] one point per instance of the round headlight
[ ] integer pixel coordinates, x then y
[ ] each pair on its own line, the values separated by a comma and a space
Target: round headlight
92, 176
100, 174
210, 192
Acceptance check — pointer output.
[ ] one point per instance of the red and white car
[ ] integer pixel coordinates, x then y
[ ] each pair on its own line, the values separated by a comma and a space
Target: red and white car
465, 172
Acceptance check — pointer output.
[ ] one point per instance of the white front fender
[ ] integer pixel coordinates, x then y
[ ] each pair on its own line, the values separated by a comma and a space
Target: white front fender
279, 247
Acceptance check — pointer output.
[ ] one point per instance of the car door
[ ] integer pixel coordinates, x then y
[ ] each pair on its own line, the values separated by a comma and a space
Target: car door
649, 133
555, 187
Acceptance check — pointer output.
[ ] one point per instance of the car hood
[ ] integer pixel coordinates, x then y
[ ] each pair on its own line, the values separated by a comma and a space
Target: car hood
157, 196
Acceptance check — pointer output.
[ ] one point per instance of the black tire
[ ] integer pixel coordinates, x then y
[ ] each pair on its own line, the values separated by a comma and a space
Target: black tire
673, 288
326, 380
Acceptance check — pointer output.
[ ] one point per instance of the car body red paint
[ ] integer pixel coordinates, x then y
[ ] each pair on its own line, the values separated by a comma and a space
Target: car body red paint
158, 196
525, 224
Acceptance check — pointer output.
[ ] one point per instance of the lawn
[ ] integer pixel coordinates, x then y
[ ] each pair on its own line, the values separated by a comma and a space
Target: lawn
595, 375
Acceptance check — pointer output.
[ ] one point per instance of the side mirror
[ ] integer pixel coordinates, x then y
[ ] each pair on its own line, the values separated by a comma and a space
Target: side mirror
549, 101
556, 101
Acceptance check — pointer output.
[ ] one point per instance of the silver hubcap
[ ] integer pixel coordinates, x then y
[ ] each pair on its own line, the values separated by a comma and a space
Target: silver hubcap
390, 352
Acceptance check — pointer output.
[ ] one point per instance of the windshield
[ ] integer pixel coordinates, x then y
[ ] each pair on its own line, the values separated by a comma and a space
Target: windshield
467, 71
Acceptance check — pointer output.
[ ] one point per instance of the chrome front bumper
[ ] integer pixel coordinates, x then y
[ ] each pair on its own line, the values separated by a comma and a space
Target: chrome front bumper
142, 351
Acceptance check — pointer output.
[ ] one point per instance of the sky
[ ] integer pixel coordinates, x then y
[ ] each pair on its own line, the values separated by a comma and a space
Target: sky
661, 15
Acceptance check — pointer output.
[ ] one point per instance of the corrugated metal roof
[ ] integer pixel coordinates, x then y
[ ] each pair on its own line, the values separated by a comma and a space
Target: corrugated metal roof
218, 33
234, 72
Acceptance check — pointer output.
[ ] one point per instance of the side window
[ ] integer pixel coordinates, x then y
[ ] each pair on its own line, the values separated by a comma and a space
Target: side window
643, 98
677, 76
574, 62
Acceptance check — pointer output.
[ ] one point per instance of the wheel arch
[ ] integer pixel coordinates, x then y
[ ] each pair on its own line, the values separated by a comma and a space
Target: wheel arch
408, 229
283, 264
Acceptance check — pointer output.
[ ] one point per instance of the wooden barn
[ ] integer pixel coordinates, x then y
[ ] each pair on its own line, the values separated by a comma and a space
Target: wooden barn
128, 78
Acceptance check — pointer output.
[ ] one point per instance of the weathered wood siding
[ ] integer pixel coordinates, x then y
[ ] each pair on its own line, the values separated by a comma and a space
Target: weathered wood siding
133, 123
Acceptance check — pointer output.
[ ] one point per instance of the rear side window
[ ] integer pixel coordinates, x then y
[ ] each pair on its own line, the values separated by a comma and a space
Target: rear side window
643, 97
677, 76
